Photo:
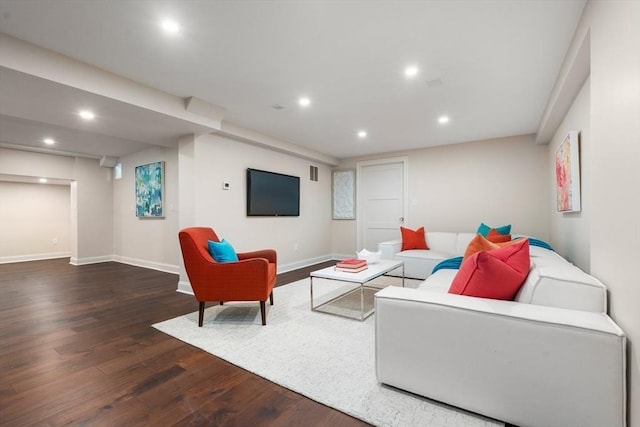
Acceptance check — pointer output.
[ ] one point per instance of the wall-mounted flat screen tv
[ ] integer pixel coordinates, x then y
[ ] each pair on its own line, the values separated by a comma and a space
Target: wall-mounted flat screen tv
272, 194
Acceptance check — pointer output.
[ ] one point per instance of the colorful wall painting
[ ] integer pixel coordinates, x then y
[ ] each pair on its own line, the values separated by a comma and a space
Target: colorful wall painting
567, 164
149, 190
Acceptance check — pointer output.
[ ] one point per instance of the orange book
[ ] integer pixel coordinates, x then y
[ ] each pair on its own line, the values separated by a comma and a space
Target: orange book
350, 269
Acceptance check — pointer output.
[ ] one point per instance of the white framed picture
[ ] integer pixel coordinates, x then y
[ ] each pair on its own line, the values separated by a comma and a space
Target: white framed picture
344, 188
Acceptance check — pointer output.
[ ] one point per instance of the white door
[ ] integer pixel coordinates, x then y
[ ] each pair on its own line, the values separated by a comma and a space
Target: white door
381, 207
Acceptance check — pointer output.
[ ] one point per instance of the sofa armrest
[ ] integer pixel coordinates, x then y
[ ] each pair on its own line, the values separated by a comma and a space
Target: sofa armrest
520, 363
389, 248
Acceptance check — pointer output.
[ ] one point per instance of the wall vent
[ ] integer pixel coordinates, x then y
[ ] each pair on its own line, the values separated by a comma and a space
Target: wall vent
313, 173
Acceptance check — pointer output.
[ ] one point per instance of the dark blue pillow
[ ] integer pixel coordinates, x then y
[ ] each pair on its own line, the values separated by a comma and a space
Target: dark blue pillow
222, 251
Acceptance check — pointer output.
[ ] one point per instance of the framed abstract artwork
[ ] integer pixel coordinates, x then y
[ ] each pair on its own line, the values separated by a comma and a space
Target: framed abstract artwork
567, 163
344, 189
150, 190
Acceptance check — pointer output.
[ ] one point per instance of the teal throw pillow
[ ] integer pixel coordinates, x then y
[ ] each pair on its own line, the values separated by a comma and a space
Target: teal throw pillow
222, 251
484, 229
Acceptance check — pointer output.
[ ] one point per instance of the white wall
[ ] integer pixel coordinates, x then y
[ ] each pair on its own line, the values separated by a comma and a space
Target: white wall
455, 187
94, 212
571, 232
91, 191
103, 225
499, 181
298, 240
27, 163
147, 242
615, 178
31, 217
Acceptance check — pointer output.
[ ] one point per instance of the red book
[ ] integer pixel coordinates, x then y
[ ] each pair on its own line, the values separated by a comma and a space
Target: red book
352, 263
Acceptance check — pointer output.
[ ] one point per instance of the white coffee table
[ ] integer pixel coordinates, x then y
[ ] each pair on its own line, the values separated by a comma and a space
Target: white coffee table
361, 278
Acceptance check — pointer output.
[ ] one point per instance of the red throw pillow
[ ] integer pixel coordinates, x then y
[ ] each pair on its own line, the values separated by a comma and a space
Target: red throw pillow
496, 274
413, 239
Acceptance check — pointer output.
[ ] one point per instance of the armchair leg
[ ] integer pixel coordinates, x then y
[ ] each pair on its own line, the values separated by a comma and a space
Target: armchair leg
271, 298
201, 314
263, 312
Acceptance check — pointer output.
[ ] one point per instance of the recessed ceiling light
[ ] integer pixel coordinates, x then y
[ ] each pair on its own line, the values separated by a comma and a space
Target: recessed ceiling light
443, 119
304, 101
411, 71
43, 180
170, 26
48, 141
362, 134
86, 114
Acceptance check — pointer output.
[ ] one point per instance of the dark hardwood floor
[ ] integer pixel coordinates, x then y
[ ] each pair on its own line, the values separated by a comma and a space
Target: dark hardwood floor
77, 348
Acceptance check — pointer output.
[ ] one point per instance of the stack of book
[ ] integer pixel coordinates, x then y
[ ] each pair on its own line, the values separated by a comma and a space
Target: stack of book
352, 265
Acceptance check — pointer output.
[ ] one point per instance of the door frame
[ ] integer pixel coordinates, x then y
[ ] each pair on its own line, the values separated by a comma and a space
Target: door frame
360, 165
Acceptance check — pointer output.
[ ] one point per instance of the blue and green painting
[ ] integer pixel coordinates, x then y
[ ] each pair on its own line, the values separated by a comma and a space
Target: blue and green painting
149, 184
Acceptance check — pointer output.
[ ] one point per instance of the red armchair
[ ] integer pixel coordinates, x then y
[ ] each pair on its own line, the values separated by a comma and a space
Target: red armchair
252, 278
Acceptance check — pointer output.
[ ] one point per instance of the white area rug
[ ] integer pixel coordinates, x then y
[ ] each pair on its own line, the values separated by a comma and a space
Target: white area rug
327, 358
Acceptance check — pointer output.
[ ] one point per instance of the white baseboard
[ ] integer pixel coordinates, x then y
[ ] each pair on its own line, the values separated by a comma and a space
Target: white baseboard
90, 260
34, 257
343, 256
184, 287
167, 268
283, 268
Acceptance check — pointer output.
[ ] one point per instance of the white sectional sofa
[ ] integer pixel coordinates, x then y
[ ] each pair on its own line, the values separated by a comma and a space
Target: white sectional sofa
551, 357
418, 263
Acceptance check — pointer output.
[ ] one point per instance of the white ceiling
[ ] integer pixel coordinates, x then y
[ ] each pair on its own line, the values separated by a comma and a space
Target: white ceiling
489, 65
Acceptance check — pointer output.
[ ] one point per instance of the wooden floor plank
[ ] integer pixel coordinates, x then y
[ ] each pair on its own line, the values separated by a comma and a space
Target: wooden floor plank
77, 348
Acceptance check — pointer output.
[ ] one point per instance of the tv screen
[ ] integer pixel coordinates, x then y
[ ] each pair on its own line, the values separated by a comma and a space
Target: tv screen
272, 194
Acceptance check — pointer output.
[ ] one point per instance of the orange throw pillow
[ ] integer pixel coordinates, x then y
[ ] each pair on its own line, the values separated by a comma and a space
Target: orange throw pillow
496, 274
480, 243
494, 236
413, 239
477, 244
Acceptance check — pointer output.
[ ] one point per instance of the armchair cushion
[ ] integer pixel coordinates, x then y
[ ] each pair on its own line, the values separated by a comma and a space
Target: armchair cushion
222, 251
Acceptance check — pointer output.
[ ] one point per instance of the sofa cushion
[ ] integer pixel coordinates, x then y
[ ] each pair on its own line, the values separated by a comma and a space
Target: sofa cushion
537, 251
422, 254
440, 281
534, 242
462, 241
413, 239
442, 241
418, 263
496, 274
556, 283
